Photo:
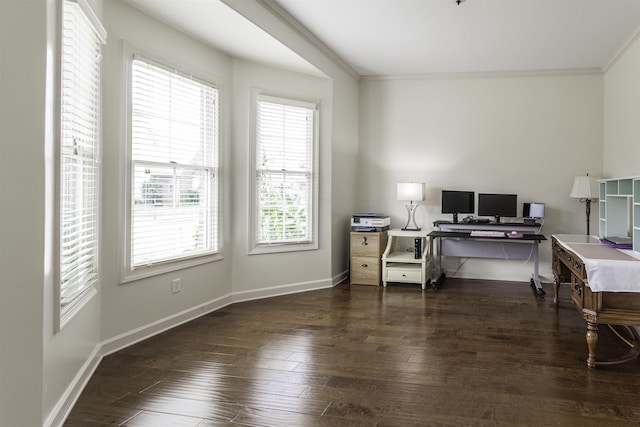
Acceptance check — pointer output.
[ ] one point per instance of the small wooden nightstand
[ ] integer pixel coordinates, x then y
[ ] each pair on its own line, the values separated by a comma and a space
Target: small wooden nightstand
366, 248
403, 266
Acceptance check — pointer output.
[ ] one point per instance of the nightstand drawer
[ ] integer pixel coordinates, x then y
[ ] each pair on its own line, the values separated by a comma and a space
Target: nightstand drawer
406, 273
365, 244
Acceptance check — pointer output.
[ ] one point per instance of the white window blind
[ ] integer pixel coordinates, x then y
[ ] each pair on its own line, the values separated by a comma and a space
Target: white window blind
82, 36
284, 166
174, 153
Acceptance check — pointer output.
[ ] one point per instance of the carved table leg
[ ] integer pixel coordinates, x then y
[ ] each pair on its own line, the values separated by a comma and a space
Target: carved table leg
556, 288
592, 341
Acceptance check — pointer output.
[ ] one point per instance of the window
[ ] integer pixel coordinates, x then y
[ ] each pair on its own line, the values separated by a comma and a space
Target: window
284, 211
79, 168
173, 212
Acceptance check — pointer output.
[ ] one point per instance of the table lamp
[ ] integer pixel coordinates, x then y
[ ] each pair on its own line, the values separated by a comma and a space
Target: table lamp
411, 192
582, 190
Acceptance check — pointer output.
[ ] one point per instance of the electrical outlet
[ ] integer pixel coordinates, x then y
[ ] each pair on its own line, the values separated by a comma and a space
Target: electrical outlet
176, 286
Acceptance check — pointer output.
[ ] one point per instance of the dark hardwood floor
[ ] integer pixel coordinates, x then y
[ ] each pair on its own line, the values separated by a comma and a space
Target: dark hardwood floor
474, 353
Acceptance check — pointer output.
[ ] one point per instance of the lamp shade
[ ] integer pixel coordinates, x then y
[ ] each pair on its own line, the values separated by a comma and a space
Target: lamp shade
581, 188
412, 191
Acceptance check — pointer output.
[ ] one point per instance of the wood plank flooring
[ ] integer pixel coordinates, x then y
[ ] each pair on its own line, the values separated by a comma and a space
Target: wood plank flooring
474, 353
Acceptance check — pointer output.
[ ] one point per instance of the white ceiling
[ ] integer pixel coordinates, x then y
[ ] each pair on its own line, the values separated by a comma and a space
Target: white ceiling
415, 37
217, 25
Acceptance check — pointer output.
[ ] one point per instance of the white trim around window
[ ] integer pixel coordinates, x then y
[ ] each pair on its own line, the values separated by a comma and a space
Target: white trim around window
172, 186
283, 162
78, 159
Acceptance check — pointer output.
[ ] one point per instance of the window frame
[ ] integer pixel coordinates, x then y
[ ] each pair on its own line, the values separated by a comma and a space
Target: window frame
129, 272
265, 248
64, 314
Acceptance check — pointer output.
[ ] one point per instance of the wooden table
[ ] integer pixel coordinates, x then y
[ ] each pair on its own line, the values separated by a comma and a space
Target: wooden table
570, 256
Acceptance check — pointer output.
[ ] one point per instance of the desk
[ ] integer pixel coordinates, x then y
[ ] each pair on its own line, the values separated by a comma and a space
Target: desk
456, 240
571, 259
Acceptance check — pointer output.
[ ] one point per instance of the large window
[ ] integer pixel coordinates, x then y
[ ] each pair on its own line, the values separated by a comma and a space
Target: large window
173, 206
79, 167
284, 193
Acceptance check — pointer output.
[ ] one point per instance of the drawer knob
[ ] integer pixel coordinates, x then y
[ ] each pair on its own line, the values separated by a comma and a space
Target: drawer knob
364, 265
364, 241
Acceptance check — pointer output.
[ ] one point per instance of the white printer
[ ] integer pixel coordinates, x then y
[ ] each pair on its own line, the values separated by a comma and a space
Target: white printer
370, 222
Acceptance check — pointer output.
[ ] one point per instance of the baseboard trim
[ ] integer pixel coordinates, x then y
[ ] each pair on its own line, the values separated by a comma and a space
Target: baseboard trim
275, 291
339, 278
64, 405
144, 332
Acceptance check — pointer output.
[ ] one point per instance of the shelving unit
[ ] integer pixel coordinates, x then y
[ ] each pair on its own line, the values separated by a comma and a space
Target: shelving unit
619, 209
399, 261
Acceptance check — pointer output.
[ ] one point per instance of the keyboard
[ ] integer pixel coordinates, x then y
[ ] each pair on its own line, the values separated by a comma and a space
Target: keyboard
487, 233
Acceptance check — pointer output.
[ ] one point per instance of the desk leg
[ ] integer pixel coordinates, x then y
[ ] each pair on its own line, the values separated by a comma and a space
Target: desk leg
535, 280
592, 341
628, 336
437, 274
556, 289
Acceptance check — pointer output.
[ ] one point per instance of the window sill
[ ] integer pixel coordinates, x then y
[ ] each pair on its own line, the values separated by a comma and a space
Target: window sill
143, 272
282, 247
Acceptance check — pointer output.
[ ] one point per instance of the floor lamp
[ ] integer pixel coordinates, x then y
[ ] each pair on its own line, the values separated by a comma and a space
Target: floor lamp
582, 190
411, 192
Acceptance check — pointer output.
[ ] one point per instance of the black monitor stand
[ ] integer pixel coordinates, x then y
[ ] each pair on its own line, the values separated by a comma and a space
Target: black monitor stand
497, 219
455, 218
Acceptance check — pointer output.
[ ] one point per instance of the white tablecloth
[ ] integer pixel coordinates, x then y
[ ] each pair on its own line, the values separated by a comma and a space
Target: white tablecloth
608, 269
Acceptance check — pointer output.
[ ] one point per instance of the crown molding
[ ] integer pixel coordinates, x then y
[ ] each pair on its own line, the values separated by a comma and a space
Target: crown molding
280, 13
487, 74
623, 49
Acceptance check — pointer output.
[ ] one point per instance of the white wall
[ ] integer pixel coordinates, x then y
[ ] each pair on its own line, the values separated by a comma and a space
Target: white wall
287, 271
529, 135
622, 115
23, 137
139, 304
36, 365
344, 167
343, 139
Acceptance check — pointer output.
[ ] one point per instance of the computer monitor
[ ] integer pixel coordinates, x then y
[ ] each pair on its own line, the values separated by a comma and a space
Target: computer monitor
533, 210
497, 205
457, 202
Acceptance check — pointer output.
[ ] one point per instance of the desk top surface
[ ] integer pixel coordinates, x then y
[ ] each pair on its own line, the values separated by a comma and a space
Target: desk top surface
590, 247
483, 223
467, 235
600, 251
576, 238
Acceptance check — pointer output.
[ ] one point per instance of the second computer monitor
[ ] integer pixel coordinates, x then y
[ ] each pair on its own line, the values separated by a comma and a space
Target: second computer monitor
497, 205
